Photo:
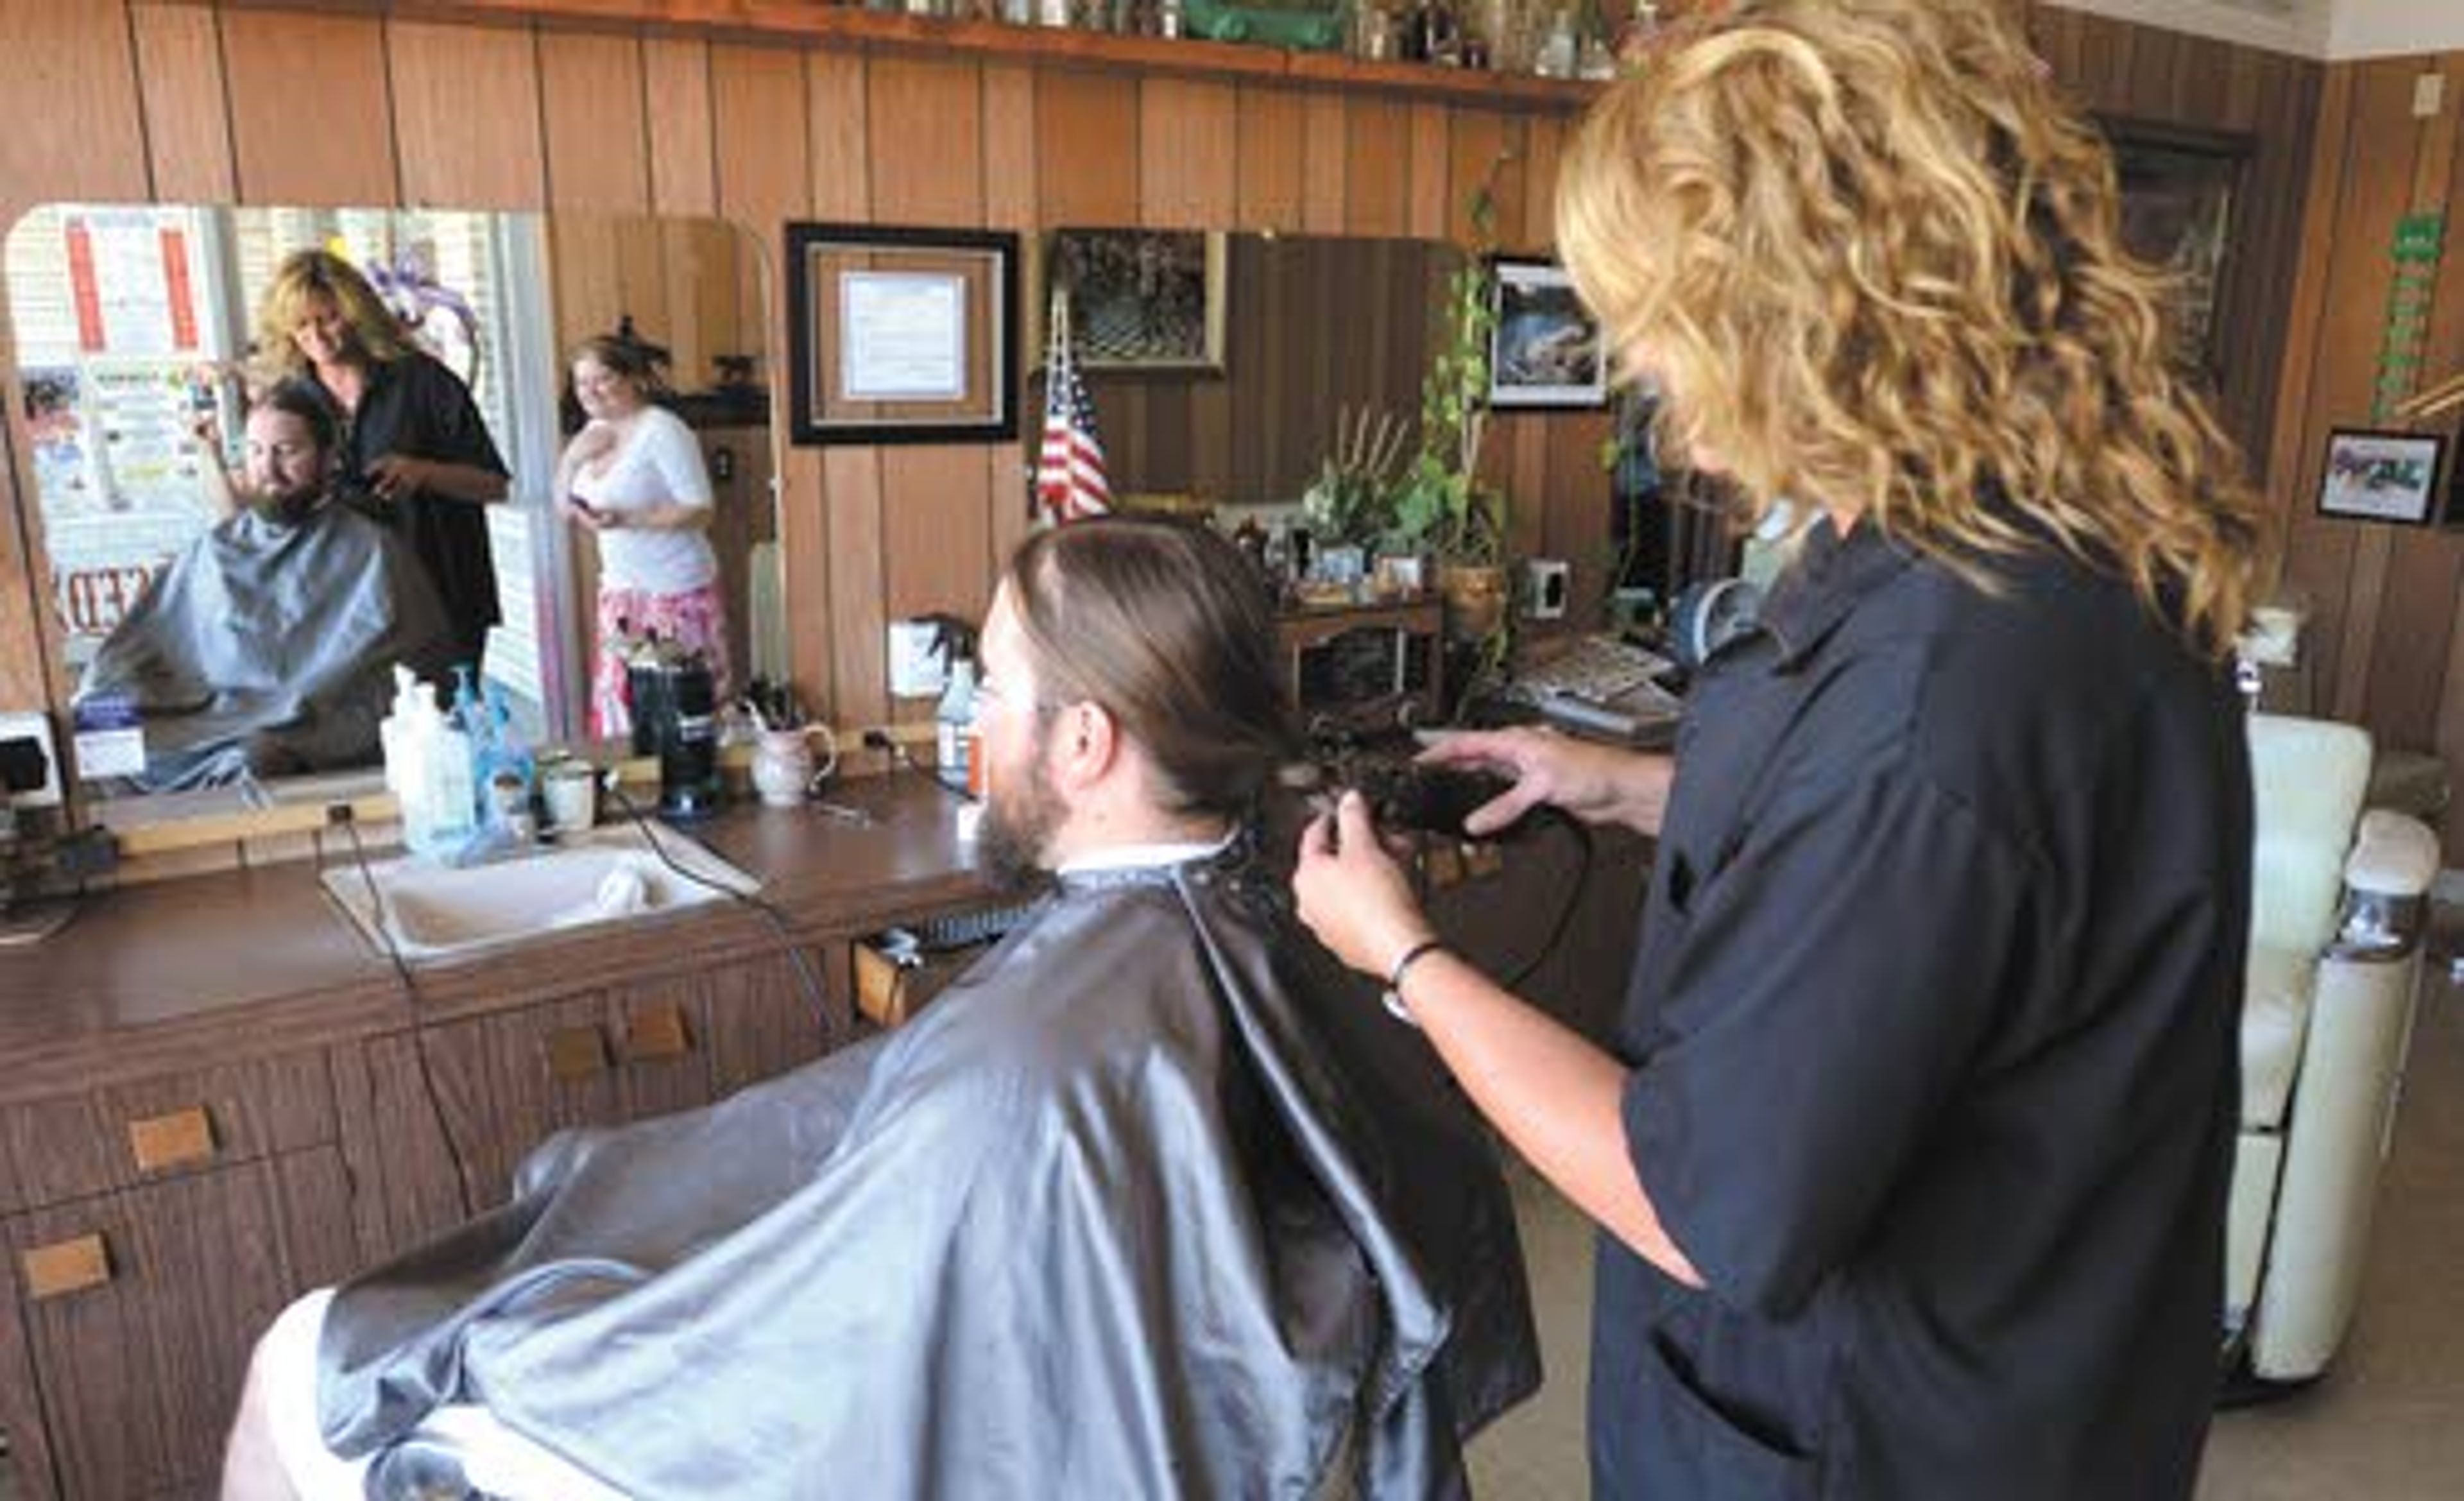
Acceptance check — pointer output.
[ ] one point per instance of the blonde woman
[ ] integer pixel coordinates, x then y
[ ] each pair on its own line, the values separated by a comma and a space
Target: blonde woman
634, 476
413, 438
1911, 1151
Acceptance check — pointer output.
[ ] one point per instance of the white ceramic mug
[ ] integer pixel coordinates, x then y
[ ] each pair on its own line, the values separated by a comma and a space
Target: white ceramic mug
784, 768
570, 788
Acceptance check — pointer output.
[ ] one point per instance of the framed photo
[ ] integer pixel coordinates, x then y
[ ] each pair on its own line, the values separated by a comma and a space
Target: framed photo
1545, 351
2382, 476
2179, 190
1139, 299
900, 335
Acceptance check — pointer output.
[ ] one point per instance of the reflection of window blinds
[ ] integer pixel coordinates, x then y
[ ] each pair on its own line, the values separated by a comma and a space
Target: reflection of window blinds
463, 262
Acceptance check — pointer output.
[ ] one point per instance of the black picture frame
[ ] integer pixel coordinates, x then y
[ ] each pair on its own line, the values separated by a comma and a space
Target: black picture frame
1545, 349
970, 391
2374, 475
2181, 194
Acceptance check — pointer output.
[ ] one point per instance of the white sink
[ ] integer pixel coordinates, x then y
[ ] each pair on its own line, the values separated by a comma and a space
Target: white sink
428, 912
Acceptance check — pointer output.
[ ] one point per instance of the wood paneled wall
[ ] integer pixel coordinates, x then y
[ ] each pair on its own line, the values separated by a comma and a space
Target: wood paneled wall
1315, 327
132, 100
2387, 604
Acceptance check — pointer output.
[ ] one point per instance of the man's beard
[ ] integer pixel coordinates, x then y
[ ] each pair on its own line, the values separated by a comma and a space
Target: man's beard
1017, 825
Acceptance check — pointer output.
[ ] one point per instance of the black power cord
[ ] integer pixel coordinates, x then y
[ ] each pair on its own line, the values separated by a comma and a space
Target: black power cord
904, 759
341, 813
814, 993
1565, 919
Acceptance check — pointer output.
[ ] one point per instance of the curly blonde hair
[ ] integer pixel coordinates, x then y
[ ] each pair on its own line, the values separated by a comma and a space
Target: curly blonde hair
1875, 262
311, 275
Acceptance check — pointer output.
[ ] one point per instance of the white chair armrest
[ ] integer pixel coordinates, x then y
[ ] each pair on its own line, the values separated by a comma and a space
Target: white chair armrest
2393, 855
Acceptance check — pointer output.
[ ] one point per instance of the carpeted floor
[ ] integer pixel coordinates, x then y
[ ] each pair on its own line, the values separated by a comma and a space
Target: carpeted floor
2387, 1423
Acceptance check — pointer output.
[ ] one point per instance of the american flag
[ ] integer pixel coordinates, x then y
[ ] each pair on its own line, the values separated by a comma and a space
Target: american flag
1069, 482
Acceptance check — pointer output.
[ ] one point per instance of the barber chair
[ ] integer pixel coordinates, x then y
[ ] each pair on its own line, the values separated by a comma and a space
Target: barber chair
2338, 907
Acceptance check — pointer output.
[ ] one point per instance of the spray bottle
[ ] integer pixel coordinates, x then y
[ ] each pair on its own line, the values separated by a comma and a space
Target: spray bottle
955, 719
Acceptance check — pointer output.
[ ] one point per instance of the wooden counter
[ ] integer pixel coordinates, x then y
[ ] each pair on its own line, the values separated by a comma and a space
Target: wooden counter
200, 969
217, 1094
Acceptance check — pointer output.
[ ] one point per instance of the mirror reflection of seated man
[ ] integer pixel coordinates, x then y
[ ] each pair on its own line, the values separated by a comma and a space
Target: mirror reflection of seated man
1132, 1210
265, 647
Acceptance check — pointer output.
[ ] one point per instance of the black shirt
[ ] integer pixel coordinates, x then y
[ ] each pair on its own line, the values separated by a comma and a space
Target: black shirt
417, 408
1932, 1036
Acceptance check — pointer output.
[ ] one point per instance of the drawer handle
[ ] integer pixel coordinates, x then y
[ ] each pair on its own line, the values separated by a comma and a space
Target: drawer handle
161, 1142
656, 1034
66, 1266
576, 1053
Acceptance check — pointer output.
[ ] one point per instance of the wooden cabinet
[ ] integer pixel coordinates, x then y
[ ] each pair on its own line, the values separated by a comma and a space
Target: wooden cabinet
153, 1229
136, 1309
504, 1082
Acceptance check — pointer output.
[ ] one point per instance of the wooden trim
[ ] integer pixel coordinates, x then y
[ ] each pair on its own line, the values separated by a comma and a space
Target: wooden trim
656, 1034
891, 33
574, 1052
65, 1266
177, 1138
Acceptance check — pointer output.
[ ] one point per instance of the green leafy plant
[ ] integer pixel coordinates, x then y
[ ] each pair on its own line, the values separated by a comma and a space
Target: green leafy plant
1442, 505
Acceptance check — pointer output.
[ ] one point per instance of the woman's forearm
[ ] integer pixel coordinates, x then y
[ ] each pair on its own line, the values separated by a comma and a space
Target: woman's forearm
1552, 1094
463, 482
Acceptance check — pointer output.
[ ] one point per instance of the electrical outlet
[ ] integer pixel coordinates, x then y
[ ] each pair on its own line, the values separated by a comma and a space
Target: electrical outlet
2428, 95
38, 728
915, 670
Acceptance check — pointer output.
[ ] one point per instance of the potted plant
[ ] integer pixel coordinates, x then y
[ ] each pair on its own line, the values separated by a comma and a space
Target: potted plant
1350, 502
1442, 505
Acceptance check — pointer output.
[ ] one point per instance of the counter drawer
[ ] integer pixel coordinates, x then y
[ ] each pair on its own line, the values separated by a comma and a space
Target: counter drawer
70, 1146
503, 1083
138, 1309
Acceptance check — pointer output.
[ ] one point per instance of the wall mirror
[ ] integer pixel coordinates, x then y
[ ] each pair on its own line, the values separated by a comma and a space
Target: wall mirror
129, 321
1314, 331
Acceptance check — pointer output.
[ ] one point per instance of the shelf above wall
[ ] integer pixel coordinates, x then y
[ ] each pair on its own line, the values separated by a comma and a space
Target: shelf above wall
812, 23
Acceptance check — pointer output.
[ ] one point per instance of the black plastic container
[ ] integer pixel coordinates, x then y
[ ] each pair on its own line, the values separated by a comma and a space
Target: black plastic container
685, 732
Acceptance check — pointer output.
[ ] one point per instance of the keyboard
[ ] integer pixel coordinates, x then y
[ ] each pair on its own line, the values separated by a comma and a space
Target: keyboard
1595, 669
1602, 686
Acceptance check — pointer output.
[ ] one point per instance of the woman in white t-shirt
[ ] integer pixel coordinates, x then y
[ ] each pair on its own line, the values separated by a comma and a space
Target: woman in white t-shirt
634, 476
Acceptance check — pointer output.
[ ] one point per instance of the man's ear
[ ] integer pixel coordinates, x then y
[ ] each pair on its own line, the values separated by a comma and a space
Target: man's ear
1086, 745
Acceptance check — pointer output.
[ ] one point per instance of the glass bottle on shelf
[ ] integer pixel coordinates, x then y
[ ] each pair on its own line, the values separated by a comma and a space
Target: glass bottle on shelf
1558, 53
1640, 28
1501, 25
1412, 32
1373, 33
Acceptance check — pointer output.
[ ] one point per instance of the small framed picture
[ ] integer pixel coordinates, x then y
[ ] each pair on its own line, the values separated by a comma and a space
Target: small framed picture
898, 335
1545, 350
2382, 476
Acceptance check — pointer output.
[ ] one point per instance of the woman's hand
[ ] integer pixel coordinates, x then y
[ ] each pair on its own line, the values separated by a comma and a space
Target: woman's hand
1596, 783
1352, 893
581, 512
394, 476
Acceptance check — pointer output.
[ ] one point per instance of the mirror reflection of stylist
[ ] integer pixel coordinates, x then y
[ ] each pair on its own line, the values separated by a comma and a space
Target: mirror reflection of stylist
1912, 1151
413, 438
634, 476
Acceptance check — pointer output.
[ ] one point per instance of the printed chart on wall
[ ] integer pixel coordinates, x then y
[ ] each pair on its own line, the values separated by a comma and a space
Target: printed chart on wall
118, 341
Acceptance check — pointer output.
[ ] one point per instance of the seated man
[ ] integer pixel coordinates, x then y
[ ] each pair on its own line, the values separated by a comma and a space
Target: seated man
1134, 1210
265, 648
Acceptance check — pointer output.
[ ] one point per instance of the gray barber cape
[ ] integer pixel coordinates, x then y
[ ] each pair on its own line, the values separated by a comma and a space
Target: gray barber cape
266, 647
1152, 1203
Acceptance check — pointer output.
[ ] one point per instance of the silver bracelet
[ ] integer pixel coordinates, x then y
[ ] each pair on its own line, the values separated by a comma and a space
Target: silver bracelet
1393, 998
